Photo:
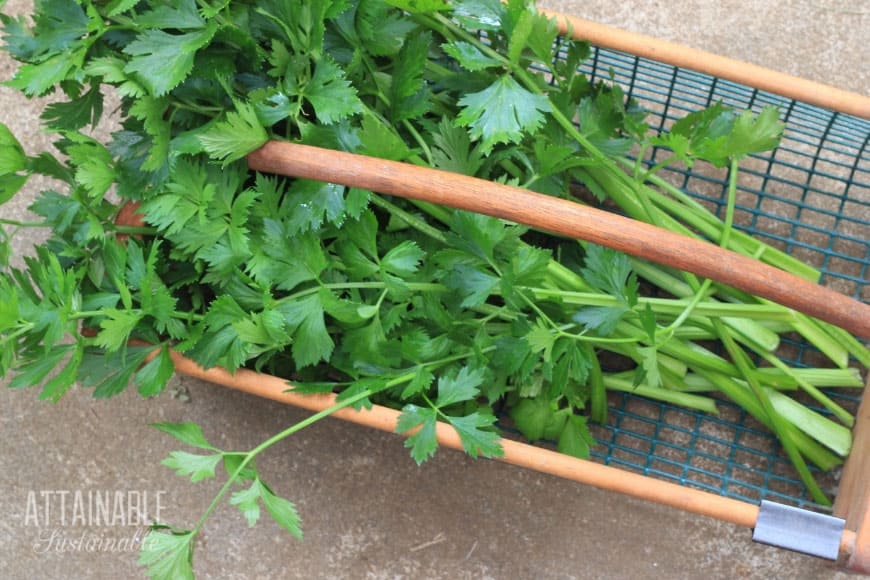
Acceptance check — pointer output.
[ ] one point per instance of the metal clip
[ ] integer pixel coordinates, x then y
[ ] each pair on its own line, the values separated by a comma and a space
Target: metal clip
799, 530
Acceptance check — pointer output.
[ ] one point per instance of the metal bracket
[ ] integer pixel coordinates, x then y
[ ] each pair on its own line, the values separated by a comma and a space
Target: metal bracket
799, 530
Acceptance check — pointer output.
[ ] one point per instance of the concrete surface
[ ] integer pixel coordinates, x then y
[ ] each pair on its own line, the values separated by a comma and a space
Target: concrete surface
369, 511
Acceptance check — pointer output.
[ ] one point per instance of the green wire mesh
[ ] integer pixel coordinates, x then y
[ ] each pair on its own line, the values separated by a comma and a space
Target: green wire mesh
811, 198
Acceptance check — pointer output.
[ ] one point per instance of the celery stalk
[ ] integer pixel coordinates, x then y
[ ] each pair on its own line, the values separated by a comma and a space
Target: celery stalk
832, 435
688, 400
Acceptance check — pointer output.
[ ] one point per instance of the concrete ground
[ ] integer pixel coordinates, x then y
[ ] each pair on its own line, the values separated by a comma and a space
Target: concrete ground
369, 511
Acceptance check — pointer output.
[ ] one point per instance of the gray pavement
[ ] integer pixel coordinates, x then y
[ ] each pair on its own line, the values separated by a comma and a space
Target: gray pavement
368, 510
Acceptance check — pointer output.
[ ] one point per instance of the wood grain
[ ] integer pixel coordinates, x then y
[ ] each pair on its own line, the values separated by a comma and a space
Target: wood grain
853, 497
565, 218
722, 67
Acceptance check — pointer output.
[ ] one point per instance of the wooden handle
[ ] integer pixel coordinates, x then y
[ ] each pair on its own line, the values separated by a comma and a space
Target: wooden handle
566, 218
722, 67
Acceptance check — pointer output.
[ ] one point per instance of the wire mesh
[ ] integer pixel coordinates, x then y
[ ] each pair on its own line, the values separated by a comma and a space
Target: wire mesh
811, 198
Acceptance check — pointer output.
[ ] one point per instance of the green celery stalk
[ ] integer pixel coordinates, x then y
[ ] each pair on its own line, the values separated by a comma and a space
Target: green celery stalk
697, 356
774, 377
780, 426
838, 411
832, 435
757, 337
754, 331
688, 400
670, 306
598, 394
849, 342
673, 366
697, 383
679, 203
661, 277
741, 394
816, 335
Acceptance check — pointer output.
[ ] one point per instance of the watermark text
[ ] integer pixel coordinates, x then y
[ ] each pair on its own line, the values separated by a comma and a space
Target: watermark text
92, 508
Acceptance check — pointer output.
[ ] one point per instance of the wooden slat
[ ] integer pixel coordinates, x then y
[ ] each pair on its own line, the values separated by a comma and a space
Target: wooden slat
722, 67
853, 497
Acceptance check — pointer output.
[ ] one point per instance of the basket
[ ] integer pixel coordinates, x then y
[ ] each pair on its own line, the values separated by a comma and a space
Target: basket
811, 198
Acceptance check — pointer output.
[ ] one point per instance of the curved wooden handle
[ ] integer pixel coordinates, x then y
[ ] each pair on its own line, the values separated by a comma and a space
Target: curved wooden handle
566, 218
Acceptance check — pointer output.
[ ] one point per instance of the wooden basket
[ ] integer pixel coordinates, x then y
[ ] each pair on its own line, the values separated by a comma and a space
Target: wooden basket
853, 499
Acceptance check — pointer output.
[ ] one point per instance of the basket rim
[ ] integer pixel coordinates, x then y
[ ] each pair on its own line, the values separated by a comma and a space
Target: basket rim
697, 501
679, 55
